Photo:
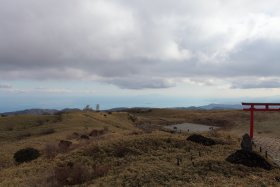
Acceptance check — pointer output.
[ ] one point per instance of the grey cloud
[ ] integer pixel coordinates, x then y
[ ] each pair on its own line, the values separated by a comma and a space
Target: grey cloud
256, 83
120, 42
255, 58
137, 83
5, 86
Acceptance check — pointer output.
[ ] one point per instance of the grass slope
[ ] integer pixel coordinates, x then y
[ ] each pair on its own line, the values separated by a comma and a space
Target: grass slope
125, 155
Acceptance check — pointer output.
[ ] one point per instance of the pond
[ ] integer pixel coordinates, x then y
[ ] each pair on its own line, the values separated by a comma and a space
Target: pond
190, 127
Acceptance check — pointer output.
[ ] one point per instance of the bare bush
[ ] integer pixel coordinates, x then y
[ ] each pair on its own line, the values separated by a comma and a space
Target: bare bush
106, 129
96, 133
136, 132
213, 132
84, 137
100, 170
23, 135
74, 135
9, 128
77, 173
50, 150
71, 174
121, 151
64, 145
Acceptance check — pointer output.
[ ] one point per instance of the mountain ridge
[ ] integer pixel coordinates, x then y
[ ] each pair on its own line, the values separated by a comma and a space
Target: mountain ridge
38, 111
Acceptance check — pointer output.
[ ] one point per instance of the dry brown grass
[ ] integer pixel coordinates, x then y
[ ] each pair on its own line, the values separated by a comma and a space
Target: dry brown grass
127, 155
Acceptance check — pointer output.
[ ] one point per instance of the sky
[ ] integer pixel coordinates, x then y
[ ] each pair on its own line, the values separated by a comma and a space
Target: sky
125, 53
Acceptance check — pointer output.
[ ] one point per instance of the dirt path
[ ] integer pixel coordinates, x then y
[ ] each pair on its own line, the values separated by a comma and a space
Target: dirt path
269, 144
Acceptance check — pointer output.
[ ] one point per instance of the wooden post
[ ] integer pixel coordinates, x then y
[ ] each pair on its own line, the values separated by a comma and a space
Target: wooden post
178, 161
252, 122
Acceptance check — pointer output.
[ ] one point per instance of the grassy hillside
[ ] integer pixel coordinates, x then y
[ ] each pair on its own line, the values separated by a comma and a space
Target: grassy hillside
36, 131
125, 154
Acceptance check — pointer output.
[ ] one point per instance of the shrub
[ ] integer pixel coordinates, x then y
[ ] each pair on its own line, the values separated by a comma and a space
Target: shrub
23, 135
136, 132
26, 155
85, 137
40, 122
201, 140
9, 128
58, 117
71, 174
96, 133
100, 170
74, 135
106, 129
64, 145
50, 150
132, 118
121, 151
76, 173
46, 131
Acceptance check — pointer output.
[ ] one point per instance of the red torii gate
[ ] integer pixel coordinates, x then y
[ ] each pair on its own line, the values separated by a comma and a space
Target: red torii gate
261, 107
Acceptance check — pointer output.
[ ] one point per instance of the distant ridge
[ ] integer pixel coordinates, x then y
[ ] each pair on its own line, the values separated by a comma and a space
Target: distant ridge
213, 107
124, 109
32, 112
222, 107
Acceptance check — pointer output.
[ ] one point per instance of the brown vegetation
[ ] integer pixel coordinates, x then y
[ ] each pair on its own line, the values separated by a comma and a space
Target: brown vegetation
130, 154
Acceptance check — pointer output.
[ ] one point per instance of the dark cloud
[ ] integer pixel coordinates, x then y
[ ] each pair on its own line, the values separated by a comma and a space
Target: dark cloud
120, 42
140, 83
258, 57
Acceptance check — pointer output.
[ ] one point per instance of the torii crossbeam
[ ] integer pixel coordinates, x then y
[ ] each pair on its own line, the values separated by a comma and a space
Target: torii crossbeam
264, 107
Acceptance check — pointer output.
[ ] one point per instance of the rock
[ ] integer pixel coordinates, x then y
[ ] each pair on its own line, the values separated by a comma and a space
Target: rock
249, 159
246, 144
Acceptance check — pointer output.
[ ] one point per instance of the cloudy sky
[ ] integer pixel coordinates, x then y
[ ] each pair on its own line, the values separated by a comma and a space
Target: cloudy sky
69, 53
